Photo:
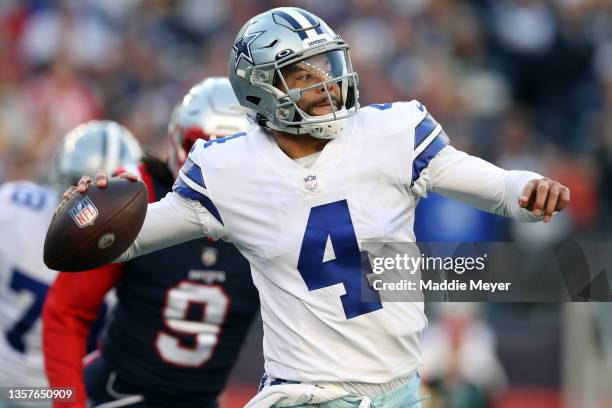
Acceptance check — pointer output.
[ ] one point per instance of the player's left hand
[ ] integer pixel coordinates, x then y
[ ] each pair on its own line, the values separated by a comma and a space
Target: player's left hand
101, 180
85, 182
544, 197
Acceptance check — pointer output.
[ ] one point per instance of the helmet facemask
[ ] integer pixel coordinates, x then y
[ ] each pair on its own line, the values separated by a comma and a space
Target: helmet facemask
269, 48
327, 73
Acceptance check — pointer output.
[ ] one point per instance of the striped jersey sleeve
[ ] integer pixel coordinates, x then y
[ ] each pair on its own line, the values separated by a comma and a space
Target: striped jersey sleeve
429, 140
190, 185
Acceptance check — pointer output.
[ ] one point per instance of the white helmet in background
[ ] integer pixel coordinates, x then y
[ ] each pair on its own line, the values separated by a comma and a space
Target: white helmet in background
93, 146
204, 112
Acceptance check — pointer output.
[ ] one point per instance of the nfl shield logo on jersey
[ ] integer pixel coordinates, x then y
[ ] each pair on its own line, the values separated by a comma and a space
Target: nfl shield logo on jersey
84, 213
209, 256
310, 183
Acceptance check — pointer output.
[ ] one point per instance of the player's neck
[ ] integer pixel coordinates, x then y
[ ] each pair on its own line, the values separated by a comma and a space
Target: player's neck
298, 146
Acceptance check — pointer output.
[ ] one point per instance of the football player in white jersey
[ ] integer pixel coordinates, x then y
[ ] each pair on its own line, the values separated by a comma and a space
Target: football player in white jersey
25, 212
298, 195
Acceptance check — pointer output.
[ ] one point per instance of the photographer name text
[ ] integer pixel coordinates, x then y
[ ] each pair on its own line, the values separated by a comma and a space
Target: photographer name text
451, 285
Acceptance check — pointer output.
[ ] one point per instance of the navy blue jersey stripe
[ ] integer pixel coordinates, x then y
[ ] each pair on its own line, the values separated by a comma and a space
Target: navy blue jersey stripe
193, 171
312, 21
182, 189
423, 159
293, 23
222, 140
262, 382
424, 129
208, 204
185, 191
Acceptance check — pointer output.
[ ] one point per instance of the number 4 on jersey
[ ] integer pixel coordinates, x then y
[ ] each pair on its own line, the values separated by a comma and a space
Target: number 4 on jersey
333, 221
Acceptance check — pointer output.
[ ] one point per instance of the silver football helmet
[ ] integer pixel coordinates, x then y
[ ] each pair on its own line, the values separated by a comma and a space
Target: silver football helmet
204, 113
92, 146
283, 40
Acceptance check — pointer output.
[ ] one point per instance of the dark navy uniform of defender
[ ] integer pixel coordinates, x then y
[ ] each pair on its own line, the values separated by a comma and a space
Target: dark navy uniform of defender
181, 317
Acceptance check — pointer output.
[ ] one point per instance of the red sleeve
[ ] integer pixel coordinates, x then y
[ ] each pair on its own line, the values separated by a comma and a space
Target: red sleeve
141, 171
70, 309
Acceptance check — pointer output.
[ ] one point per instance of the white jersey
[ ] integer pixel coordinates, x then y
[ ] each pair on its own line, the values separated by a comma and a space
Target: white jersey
25, 213
301, 230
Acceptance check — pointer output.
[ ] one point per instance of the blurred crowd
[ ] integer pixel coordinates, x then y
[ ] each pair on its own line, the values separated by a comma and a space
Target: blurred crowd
524, 83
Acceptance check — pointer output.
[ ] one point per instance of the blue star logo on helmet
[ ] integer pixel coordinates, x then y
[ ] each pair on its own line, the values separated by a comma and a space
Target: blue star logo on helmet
243, 47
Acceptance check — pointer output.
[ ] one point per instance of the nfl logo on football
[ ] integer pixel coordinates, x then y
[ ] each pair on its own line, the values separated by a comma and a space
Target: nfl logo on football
310, 183
84, 213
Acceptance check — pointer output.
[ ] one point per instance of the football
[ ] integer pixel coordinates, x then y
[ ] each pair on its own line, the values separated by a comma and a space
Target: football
92, 229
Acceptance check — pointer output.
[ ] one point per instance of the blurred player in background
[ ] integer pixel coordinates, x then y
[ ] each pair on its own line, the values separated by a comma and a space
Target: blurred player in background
182, 313
460, 366
25, 212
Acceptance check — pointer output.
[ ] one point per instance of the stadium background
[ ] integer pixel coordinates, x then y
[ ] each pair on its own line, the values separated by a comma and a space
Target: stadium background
523, 83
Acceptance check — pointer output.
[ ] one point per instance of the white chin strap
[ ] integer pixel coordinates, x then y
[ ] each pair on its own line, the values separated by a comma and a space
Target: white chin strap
324, 130
327, 130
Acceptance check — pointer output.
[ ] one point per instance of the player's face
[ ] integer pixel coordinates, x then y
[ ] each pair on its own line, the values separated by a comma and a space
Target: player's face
310, 75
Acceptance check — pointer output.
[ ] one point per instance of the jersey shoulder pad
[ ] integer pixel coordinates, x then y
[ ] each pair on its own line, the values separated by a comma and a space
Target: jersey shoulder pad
392, 118
222, 145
